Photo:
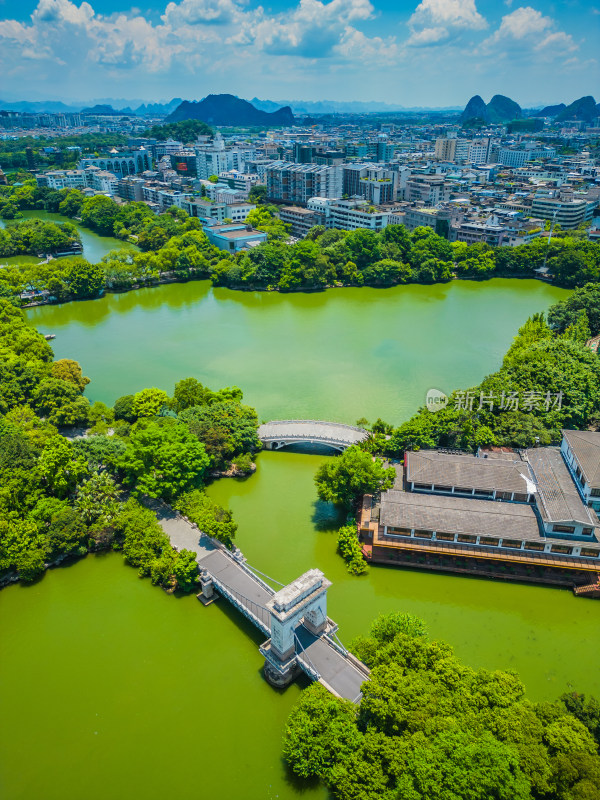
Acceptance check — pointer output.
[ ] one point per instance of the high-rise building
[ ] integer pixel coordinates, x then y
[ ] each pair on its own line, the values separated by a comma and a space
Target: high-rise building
297, 183
445, 149
376, 184
479, 151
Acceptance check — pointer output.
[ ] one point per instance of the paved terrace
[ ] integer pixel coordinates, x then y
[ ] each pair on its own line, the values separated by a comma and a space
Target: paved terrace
337, 670
279, 433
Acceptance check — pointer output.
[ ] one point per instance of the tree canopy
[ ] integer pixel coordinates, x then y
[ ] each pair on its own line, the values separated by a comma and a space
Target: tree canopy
430, 728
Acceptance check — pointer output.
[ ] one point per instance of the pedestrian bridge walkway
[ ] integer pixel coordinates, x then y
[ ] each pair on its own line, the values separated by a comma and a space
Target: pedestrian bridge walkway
301, 637
280, 433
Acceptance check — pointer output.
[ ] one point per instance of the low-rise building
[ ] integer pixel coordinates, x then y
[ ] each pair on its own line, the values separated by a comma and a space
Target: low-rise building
121, 164
581, 452
238, 212
234, 237
348, 215
300, 219
430, 189
564, 209
523, 514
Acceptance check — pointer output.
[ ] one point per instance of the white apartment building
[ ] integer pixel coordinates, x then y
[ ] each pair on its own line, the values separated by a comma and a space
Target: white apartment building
239, 180
214, 158
348, 215
62, 179
238, 212
518, 157
297, 183
479, 151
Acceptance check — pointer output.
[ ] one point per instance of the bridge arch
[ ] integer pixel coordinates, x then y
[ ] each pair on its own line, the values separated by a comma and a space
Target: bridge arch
277, 434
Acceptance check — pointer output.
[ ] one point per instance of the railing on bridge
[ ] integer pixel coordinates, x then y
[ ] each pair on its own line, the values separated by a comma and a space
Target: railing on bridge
256, 613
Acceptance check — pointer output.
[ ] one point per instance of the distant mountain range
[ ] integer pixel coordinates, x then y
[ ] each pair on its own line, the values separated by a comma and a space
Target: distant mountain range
499, 109
300, 107
503, 109
112, 107
226, 109
42, 107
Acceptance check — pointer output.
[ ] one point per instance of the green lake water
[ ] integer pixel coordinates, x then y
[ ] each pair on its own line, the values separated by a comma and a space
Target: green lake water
94, 246
336, 355
111, 688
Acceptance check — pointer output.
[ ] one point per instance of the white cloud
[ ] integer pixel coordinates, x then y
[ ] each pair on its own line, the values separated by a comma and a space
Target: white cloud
192, 33
455, 13
436, 21
428, 36
371, 51
201, 12
526, 27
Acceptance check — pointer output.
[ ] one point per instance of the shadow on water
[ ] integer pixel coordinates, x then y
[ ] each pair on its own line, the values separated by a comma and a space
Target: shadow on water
298, 784
327, 517
89, 313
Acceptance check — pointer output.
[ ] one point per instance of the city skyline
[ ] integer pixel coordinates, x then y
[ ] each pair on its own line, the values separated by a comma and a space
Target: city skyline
435, 53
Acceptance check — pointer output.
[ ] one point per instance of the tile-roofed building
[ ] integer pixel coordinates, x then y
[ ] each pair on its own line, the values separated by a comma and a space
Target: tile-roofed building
581, 451
558, 499
455, 511
457, 515
497, 478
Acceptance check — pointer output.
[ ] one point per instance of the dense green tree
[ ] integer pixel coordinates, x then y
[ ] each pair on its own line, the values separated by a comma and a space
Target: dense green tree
60, 467
211, 518
124, 408
186, 131
83, 279
257, 194
188, 392
430, 728
350, 550
163, 460
352, 474
72, 203
65, 369
149, 402
225, 428
186, 570
99, 213
97, 499
566, 312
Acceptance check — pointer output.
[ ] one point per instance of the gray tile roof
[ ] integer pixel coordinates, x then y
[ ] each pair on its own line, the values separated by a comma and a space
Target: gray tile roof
502, 474
558, 499
586, 447
453, 514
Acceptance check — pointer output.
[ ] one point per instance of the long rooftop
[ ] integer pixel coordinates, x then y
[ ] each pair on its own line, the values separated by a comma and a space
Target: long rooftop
586, 447
452, 514
558, 498
506, 474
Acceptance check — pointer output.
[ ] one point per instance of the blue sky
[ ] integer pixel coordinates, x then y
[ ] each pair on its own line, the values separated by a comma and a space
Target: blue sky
432, 53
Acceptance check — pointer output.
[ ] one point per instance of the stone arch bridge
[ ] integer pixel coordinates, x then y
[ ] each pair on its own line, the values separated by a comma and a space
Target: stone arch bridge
281, 433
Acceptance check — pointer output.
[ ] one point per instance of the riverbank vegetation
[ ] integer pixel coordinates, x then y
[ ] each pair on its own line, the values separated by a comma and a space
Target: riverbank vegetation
429, 727
350, 550
63, 497
354, 473
36, 236
174, 247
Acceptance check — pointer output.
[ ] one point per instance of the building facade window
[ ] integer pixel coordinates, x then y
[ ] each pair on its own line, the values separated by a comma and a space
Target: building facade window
563, 529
